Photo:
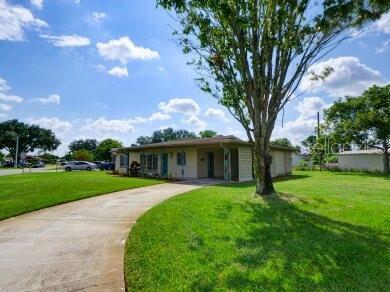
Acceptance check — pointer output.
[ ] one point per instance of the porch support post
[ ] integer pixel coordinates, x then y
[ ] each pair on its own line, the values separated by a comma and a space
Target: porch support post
226, 164
182, 162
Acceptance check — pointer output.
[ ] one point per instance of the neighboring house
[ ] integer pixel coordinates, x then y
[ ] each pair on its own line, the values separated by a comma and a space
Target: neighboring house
297, 158
371, 160
224, 157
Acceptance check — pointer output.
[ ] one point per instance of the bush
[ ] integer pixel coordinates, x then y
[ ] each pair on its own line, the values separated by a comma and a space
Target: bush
83, 155
135, 169
304, 165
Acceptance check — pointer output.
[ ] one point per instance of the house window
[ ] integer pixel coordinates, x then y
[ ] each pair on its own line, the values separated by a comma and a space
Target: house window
149, 162
181, 159
124, 160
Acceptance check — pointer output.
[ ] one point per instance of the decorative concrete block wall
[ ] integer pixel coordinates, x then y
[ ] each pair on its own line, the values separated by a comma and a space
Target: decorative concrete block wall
245, 164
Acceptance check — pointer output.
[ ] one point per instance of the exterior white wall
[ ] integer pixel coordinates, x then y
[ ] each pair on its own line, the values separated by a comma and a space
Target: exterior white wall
202, 162
118, 164
280, 166
174, 170
196, 162
190, 169
370, 162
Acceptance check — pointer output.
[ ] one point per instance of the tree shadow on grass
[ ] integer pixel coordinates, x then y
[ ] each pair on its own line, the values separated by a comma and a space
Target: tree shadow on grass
363, 174
241, 185
287, 248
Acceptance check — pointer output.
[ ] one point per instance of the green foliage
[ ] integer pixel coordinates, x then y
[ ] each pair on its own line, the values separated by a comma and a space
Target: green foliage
49, 189
83, 155
49, 158
86, 144
363, 120
165, 135
103, 150
323, 232
207, 134
281, 142
252, 55
31, 137
2, 156
135, 169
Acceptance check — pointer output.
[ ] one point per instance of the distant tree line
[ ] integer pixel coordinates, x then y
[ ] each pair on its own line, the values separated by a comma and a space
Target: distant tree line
170, 134
28, 137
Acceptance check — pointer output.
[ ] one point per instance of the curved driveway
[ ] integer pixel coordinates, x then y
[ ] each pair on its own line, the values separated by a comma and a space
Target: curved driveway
75, 246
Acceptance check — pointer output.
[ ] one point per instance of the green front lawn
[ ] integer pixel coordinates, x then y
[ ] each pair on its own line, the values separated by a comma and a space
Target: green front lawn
24, 193
324, 231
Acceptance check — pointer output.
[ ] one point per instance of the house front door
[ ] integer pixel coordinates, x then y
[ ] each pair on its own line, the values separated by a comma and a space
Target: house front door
164, 164
210, 164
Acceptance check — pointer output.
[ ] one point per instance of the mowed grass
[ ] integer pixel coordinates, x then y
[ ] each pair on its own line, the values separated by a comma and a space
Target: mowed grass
24, 193
324, 231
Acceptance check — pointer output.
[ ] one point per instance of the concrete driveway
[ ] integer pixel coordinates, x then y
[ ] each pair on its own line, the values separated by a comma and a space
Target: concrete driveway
75, 246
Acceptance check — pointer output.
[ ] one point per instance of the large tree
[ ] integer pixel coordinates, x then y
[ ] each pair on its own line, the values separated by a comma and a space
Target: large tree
252, 54
281, 142
86, 144
103, 150
165, 135
363, 120
30, 137
207, 134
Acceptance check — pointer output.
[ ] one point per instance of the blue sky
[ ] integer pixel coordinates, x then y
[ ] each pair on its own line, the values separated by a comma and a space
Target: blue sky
97, 69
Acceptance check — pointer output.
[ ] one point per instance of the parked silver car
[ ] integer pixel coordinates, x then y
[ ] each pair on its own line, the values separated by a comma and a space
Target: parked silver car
79, 165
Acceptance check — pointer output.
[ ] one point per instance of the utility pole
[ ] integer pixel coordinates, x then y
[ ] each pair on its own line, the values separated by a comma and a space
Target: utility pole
318, 135
17, 150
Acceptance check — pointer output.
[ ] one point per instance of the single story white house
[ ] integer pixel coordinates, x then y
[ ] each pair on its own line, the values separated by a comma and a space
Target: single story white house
366, 160
223, 157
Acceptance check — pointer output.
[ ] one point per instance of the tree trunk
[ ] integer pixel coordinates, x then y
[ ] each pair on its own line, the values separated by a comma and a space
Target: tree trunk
386, 168
262, 167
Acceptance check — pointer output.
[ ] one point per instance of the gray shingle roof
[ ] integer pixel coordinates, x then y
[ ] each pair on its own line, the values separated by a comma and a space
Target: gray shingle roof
213, 141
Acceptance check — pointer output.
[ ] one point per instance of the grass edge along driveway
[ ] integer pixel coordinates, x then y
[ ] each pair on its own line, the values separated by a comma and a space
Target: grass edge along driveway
23, 193
324, 231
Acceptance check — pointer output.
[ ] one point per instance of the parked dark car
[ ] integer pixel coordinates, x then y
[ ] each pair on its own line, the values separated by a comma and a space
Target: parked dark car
106, 166
38, 164
9, 164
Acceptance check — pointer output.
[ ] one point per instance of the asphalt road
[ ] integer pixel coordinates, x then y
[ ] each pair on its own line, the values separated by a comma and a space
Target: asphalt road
9, 171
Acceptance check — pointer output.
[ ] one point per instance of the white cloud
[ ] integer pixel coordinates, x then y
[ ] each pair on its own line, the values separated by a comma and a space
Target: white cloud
296, 131
350, 77
123, 49
10, 98
216, 114
14, 19
158, 116
161, 69
383, 23
37, 3
55, 124
100, 67
53, 98
5, 107
194, 120
180, 105
385, 46
103, 125
309, 107
5, 97
97, 17
3, 85
118, 71
299, 129
67, 40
